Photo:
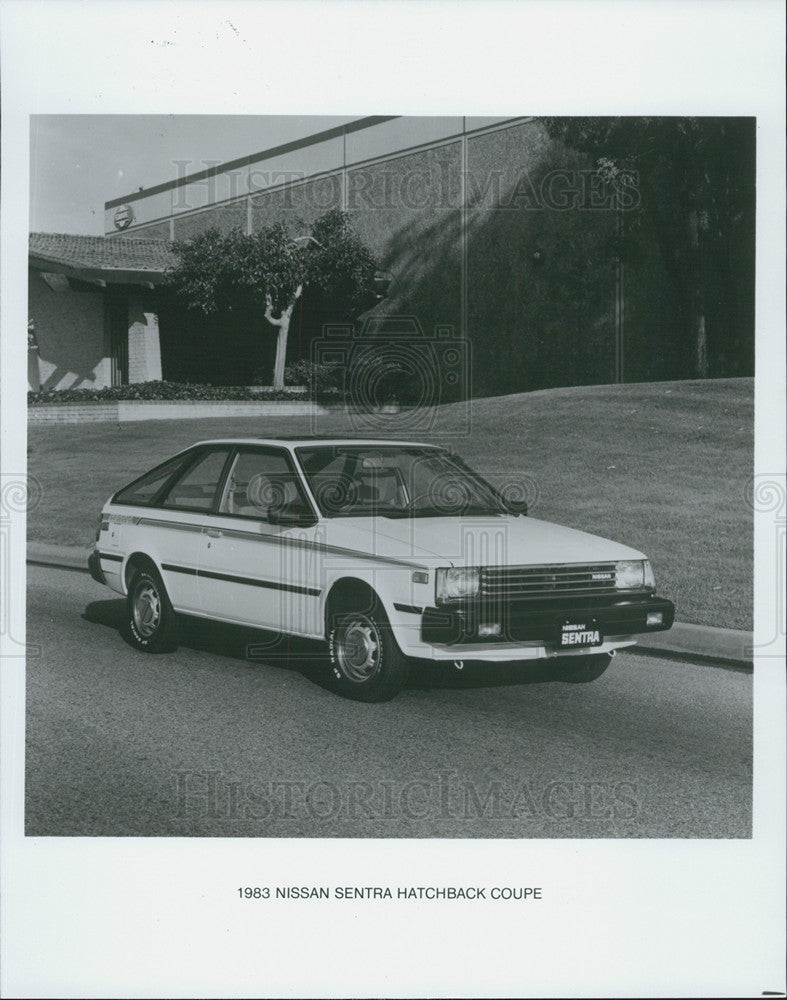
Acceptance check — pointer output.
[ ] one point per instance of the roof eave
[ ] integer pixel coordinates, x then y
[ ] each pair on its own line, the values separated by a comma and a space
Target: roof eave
100, 275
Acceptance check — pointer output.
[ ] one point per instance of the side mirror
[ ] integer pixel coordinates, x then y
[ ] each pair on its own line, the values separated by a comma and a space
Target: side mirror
517, 507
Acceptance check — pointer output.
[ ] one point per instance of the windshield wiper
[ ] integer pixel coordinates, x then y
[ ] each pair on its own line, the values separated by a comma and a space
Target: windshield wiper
481, 511
477, 511
398, 512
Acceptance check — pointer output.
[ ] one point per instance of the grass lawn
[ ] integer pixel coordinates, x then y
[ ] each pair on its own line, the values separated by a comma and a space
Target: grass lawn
662, 467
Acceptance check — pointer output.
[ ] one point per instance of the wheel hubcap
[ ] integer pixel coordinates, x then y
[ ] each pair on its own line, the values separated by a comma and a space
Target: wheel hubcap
147, 609
358, 650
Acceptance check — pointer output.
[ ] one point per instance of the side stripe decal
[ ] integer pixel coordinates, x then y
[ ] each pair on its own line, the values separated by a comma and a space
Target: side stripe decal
176, 525
256, 536
247, 580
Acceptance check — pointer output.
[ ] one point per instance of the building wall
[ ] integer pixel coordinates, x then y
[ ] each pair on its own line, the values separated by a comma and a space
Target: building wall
489, 229
158, 231
224, 217
408, 210
73, 351
83, 329
456, 228
298, 205
321, 153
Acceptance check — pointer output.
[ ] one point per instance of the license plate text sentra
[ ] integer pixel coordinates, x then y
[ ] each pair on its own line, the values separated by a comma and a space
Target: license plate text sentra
580, 634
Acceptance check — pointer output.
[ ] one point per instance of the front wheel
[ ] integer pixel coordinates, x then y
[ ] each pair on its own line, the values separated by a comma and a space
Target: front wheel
583, 669
366, 663
150, 620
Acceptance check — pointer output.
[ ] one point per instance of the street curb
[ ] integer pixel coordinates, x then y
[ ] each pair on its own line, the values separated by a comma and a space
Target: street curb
58, 556
739, 665
731, 648
719, 647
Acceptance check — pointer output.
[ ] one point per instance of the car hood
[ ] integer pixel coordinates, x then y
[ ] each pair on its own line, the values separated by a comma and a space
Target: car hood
472, 541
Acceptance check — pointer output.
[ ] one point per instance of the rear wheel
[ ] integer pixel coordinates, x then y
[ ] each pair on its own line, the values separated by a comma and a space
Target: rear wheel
583, 669
150, 620
366, 663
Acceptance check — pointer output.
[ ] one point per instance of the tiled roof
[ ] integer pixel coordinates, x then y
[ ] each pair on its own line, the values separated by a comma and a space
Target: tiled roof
101, 253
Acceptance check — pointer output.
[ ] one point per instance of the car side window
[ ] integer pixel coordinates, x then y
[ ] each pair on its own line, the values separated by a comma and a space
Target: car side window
196, 489
260, 482
143, 491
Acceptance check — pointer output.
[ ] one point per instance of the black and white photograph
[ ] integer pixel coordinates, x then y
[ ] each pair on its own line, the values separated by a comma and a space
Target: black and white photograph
448, 375
393, 516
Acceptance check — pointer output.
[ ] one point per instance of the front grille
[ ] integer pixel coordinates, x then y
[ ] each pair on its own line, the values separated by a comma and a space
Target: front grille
547, 581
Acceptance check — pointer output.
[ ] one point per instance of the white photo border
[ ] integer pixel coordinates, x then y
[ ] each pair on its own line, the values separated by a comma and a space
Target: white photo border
85, 917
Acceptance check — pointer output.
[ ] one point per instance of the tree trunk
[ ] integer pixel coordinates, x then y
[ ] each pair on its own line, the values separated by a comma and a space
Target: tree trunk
702, 344
283, 323
698, 276
281, 352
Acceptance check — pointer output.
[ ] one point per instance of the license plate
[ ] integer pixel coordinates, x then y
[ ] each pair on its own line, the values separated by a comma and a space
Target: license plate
579, 634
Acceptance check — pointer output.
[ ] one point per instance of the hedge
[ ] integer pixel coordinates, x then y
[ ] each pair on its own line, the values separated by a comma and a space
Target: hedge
159, 391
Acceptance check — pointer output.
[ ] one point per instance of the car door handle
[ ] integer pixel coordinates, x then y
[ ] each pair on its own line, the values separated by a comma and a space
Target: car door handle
213, 532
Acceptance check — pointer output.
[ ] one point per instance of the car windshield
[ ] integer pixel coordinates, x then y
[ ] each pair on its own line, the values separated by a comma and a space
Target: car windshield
394, 481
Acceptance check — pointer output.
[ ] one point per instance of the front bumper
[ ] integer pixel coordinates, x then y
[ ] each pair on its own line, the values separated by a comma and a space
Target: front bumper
540, 620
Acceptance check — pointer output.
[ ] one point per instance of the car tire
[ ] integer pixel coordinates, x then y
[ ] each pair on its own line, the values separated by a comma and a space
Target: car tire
366, 663
583, 669
151, 623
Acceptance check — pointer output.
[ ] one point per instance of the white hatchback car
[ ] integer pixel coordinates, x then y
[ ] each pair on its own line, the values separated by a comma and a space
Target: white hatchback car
390, 550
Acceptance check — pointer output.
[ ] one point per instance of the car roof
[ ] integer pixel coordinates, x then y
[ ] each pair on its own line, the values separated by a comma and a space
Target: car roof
305, 439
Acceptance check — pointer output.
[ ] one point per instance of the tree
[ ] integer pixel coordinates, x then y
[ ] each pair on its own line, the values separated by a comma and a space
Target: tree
272, 270
695, 179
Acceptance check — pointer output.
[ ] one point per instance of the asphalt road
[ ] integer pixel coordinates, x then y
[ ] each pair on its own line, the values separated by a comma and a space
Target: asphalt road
230, 736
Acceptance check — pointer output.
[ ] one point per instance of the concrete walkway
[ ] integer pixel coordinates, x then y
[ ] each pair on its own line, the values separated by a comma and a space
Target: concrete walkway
725, 647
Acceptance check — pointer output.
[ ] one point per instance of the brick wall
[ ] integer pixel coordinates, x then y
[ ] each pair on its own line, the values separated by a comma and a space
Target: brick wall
125, 411
144, 352
223, 217
73, 413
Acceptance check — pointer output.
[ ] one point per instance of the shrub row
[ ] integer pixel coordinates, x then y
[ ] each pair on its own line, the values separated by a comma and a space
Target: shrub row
158, 391
372, 376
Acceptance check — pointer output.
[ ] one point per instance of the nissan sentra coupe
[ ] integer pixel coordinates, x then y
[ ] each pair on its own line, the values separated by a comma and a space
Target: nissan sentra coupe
389, 550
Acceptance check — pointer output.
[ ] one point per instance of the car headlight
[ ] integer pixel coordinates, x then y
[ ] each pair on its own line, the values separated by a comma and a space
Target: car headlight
454, 584
634, 574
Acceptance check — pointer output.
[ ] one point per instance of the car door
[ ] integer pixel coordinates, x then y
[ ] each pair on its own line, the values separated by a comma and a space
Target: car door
259, 565
176, 527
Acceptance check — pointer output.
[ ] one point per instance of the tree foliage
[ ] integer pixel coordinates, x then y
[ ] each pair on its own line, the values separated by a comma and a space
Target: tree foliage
216, 271
338, 265
272, 269
696, 183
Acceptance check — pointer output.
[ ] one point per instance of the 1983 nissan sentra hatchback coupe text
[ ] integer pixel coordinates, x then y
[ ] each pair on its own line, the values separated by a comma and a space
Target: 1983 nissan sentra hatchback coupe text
389, 550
